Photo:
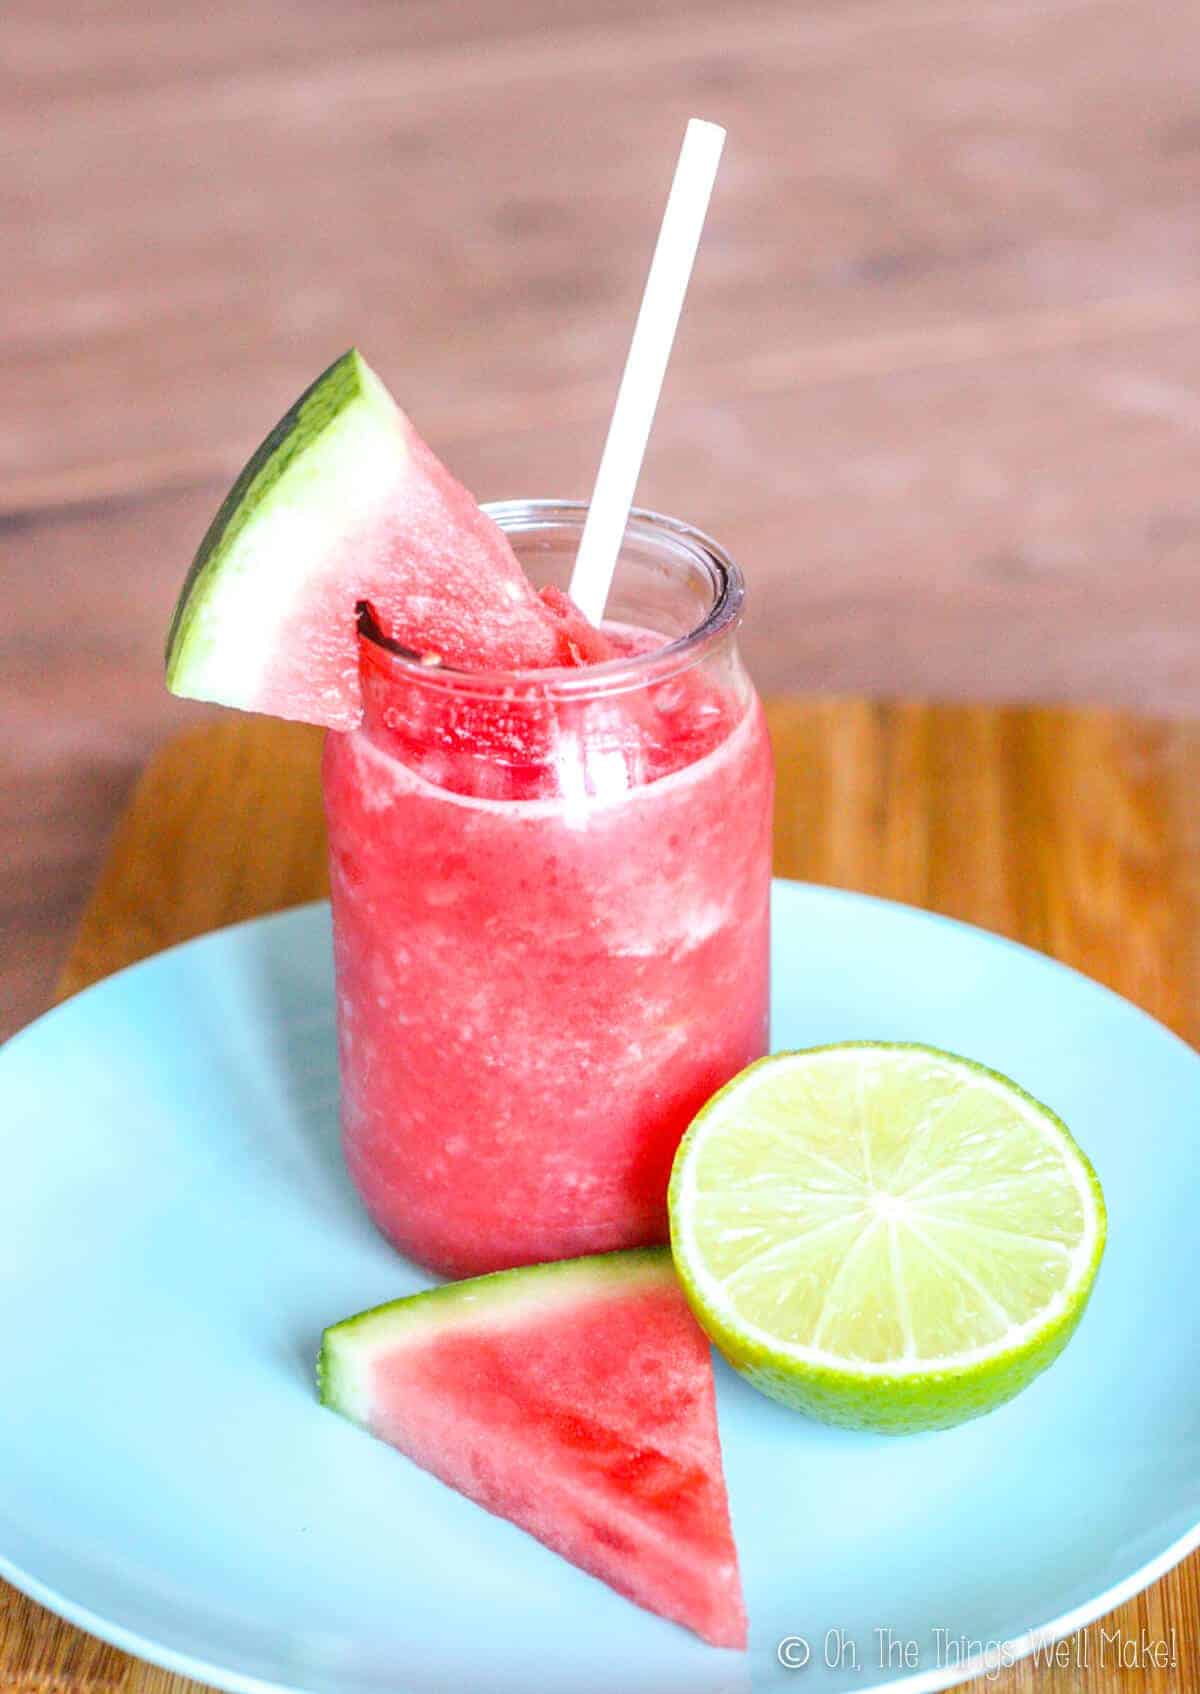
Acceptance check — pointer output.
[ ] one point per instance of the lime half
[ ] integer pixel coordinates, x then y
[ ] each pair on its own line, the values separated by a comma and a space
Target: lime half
885, 1236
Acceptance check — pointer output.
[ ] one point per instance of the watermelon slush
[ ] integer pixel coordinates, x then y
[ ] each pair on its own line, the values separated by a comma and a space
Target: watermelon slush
550, 901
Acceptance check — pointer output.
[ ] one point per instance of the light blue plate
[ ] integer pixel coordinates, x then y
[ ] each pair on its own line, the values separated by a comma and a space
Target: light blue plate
176, 1229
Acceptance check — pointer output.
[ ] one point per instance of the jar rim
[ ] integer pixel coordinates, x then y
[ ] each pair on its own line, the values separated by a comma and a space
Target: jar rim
526, 517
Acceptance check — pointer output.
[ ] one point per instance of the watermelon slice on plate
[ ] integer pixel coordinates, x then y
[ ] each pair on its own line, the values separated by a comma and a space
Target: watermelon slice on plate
344, 503
575, 1399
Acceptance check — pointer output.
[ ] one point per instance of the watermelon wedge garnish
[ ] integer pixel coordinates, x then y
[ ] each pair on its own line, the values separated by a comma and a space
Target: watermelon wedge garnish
575, 1399
344, 503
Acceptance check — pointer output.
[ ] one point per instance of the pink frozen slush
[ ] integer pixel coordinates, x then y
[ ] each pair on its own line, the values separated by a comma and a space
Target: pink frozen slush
550, 908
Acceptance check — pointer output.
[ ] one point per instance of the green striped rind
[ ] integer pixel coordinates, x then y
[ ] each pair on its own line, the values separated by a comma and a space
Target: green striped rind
912, 1400
348, 1348
306, 464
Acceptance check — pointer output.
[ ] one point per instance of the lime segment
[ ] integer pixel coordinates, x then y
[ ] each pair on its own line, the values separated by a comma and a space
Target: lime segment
886, 1236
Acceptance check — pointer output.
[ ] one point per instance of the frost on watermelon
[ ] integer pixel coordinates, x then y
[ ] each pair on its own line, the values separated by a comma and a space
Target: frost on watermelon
575, 1399
344, 503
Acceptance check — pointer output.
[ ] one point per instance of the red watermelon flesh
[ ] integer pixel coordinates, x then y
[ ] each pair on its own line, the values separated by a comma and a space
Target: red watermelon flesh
574, 1399
344, 503
440, 578
584, 643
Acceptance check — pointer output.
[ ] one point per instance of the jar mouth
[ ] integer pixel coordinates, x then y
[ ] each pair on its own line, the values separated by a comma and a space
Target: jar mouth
527, 518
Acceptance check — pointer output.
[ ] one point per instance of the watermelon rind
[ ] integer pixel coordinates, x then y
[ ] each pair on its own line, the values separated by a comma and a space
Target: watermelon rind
330, 465
349, 1348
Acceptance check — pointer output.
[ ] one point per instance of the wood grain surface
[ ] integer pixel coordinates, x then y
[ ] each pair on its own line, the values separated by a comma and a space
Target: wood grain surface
1077, 832
936, 385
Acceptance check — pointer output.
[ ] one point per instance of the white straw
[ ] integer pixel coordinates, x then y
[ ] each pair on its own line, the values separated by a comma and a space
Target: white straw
649, 351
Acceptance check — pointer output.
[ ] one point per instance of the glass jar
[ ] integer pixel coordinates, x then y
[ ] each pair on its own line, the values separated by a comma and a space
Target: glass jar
550, 904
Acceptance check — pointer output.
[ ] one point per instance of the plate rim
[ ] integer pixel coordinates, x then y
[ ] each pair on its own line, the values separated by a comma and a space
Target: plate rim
930, 1681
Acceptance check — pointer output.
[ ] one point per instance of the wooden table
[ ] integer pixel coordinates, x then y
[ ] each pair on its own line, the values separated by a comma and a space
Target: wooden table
1077, 832
936, 384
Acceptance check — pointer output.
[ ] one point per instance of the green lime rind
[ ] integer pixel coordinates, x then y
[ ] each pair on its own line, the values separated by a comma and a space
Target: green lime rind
479, 1299
898, 1405
905, 1400
284, 469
